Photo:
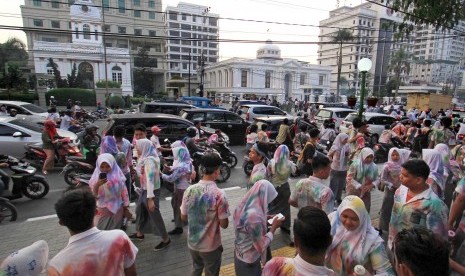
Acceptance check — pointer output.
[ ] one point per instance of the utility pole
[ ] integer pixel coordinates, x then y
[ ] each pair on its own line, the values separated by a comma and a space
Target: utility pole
189, 83
104, 51
202, 58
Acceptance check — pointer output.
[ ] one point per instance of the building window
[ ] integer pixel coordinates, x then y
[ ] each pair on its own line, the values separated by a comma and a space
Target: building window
121, 6
49, 39
117, 74
138, 31
243, 78
76, 30
38, 22
184, 16
107, 28
37, 3
106, 5
86, 31
152, 33
121, 30
173, 16
96, 34
321, 80
302, 79
55, 4
151, 15
267, 79
136, 3
55, 24
194, 18
49, 70
151, 4
136, 13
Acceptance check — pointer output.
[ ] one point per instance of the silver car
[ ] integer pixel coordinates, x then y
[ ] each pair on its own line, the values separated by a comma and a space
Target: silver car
16, 132
24, 108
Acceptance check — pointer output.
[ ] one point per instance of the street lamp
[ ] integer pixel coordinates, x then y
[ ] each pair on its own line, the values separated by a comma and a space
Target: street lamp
364, 65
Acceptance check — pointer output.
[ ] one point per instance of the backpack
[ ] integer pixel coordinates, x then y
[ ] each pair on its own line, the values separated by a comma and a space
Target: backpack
421, 141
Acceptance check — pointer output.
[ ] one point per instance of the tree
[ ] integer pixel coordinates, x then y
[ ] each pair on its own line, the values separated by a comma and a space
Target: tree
400, 63
14, 79
143, 75
72, 79
13, 51
441, 14
60, 83
341, 36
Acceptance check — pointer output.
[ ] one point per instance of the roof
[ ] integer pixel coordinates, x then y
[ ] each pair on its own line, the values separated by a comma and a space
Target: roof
206, 109
336, 109
274, 118
6, 119
145, 115
168, 103
259, 105
13, 102
373, 114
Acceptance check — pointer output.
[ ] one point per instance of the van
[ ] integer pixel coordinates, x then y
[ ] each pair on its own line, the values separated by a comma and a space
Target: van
173, 108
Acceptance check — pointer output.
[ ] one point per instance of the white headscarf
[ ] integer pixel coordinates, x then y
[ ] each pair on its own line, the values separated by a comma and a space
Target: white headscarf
28, 261
146, 151
338, 146
433, 158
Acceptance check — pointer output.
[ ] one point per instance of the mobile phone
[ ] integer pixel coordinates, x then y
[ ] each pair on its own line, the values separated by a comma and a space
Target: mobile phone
278, 216
102, 175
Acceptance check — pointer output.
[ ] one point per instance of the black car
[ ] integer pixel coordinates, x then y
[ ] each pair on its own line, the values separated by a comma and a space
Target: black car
172, 127
166, 107
228, 122
274, 123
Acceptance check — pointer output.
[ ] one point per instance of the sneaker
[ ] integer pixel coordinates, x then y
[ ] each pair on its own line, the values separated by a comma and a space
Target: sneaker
162, 246
176, 231
135, 237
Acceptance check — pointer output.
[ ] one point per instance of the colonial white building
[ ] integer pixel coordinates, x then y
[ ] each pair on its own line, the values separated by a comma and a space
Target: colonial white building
86, 51
268, 75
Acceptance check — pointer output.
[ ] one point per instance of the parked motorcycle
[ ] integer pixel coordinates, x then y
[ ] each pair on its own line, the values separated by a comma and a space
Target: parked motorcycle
8, 211
226, 154
225, 170
248, 164
36, 156
25, 181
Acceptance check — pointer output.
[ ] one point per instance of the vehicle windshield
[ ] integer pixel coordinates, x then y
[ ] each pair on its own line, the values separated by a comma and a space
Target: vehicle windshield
352, 116
34, 108
31, 125
324, 113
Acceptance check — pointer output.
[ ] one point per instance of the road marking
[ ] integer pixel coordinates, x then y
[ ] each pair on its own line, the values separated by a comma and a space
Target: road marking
56, 190
41, 218
231, 188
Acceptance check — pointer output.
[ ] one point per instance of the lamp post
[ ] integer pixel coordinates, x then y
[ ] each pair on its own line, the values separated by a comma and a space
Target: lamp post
364, 65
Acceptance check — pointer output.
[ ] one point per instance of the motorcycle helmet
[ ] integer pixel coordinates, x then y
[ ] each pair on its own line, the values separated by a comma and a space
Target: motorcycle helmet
191, 131
91, 127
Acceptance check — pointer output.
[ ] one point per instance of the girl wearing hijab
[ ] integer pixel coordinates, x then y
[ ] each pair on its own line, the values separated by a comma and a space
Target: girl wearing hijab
280, 169
49, 138
108, 145
108, 184
180, 176
339, 154
433, 159
390, 180
363, 176
257, 155
149, 219
250, 226
355, 241
452, 172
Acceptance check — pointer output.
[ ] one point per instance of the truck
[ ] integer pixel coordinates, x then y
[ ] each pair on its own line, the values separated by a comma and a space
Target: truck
424, 101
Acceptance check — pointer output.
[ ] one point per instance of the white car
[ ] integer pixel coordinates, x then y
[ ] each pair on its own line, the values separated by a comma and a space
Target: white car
24, 108
336, 114
250, 111
376, 123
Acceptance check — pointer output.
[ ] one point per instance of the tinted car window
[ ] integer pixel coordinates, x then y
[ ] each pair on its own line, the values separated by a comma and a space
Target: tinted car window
232, 118
178, 129
197, 116
261, 110
351, 117
342, 114
34, 108
27, 124
276, 111
385, 120
215, 117
324, 113
6, 130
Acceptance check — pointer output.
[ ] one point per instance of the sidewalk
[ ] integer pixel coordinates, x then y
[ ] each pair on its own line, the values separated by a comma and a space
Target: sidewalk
175, 260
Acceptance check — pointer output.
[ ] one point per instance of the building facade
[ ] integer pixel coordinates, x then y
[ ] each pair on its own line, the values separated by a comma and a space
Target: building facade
125, 26
267, 76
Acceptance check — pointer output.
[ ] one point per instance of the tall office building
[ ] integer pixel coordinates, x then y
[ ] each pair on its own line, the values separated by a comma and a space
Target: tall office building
124, 24
192, 33
373, 39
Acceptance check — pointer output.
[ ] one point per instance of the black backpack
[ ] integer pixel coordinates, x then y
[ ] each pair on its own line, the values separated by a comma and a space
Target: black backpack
421, 141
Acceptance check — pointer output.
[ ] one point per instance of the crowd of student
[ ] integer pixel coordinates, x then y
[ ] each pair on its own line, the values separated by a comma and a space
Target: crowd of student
332, 235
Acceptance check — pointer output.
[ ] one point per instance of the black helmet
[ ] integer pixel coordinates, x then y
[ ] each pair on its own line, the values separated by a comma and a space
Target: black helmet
91, 127
191, 131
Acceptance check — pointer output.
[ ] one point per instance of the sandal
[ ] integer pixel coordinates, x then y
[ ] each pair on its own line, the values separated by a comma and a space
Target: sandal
135, 237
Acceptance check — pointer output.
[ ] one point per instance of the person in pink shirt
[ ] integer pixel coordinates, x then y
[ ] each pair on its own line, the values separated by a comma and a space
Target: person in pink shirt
206, 209
108, 185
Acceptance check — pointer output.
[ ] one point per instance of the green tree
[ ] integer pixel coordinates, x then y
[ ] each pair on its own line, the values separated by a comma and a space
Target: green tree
143, 75
14, 79
72, 79
341, 36
13, 51
400, 63
60, 83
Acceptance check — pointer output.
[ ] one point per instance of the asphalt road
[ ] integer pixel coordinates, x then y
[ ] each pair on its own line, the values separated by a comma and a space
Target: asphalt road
28, 208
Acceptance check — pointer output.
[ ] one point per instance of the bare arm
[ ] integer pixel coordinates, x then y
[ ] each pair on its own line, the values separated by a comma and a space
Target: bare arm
456, 210
293, 203
456, 267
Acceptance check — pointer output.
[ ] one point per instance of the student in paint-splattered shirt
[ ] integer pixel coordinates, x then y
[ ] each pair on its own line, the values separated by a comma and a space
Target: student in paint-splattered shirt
257, 155
206, 209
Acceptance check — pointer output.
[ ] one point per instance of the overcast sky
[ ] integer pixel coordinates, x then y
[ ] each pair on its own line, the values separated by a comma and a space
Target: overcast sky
308, 12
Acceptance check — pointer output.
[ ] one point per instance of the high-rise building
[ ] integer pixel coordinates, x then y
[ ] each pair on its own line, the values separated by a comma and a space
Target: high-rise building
371, 27
125, 24
192, 38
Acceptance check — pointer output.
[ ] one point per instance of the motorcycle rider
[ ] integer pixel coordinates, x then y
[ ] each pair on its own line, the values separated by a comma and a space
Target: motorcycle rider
4, 178
90, 142
190, 141
68, 123
386, 135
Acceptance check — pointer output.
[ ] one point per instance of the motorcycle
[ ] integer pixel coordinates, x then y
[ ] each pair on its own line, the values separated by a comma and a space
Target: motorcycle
77, 165
36, 156
8, 211
25, 181
84, 117
226, 154
225, 170
248, 164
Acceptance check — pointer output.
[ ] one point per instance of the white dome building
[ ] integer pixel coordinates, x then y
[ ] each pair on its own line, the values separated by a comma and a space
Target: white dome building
267, 76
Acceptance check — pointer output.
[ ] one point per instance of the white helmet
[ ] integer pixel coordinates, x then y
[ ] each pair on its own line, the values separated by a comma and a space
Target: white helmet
52, 97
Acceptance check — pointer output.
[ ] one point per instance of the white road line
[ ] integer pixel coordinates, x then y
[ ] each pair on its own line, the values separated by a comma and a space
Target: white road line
41, 218
56, 190
231, 188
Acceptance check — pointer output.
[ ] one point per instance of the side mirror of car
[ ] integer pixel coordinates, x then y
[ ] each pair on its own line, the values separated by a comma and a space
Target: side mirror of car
18, 134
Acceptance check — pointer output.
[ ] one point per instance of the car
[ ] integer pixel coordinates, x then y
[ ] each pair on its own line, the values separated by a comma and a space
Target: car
376, 123
24, 108
201, 102
250, 111
336, 114
228, 122
274, 123
16, 132
328, 105
166, 107
172, 127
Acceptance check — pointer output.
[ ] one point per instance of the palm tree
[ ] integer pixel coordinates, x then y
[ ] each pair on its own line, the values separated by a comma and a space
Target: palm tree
341, 36
400, 63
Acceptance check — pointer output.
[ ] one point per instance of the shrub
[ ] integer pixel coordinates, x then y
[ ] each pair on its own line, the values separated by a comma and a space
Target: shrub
85, 96
138, 100
116, 101
111, 84
22, 97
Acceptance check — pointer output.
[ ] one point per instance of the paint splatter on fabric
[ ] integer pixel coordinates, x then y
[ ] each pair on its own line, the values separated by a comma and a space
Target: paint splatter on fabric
312, 192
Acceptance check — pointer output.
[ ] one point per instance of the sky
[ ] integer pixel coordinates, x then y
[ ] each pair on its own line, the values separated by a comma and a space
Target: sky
307, 12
